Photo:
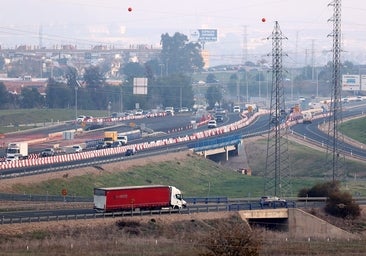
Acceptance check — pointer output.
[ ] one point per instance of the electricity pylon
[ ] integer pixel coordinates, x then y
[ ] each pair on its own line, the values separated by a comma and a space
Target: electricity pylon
277, 170
335, 159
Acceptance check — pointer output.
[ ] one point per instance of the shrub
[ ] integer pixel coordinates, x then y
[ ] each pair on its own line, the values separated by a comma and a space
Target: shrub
231, 237
341, 204
320, 189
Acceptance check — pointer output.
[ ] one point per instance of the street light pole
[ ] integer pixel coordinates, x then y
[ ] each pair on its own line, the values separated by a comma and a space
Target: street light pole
76, 106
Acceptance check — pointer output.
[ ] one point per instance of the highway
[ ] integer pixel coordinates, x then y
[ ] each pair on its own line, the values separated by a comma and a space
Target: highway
311, 132
178, 126
165, 125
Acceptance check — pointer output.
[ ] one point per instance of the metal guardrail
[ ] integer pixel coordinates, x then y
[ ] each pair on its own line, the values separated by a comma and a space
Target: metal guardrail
43, 198
188, 210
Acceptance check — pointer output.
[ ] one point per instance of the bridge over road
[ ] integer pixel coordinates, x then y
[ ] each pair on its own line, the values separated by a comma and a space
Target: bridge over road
298, 223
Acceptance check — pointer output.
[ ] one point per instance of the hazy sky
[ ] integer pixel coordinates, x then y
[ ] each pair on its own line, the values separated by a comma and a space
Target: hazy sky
91, 22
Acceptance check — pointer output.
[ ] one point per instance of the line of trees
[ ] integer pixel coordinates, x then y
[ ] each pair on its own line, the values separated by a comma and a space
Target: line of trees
169, 83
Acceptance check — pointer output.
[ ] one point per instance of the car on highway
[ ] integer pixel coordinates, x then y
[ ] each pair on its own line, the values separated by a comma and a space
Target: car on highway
211, 124
139, 112
11, 158
219, 118
101, 145
220, 111
236, 109
47, 152
116, 144
272, 201
130, 152
183, 109
80, 119
77, 148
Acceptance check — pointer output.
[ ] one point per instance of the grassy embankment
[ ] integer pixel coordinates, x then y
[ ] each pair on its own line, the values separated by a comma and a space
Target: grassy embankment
200, 177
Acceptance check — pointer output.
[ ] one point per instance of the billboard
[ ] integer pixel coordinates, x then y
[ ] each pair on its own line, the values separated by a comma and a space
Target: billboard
351, 82
363, 82
204, 35
140, 85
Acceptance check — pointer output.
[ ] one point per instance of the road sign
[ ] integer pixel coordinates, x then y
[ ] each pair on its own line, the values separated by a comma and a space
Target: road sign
203, 35
351, 82
207, 35
64, 192
140, 85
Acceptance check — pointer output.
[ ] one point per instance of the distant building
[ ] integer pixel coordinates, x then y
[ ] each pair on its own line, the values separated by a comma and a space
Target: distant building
15, 85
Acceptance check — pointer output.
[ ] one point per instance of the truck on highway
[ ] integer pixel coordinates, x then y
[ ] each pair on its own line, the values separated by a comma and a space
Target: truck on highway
17, 151
124, 137
110, 137
307, 117
150, 197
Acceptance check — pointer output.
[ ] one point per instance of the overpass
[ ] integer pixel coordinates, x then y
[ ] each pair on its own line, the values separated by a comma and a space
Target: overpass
223, 146
296, 222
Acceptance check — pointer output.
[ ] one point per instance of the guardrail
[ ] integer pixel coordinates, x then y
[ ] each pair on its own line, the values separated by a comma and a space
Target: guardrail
95, 215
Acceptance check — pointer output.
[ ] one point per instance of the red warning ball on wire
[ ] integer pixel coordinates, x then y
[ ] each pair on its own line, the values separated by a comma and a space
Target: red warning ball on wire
263, 19
129, 9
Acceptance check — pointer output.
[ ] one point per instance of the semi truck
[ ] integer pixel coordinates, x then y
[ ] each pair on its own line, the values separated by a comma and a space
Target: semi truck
150, 197
110, 137
17, 151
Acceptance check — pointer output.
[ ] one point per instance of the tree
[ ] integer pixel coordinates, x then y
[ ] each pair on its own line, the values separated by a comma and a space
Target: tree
179, 56
31, 98
213, 96
233, 85
132, 70
211, 78
175, 90
93, 77
4, 96
72, 76
59, 95
94, 94
2, 62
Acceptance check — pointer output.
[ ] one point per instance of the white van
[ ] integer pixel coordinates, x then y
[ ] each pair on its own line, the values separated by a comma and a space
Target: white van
236, 109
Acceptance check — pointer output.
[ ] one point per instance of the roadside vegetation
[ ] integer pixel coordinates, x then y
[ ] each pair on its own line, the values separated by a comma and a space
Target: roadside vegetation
355, 129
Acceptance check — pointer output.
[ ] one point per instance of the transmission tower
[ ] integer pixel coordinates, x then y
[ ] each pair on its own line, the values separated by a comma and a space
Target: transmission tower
277, 170
334, 158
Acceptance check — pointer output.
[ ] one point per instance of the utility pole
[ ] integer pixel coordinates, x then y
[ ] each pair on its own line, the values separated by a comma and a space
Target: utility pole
277, 169
335, 158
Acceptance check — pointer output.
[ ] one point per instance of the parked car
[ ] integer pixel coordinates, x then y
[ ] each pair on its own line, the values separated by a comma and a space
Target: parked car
236, 109
47, 152
77, 148
212, 124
